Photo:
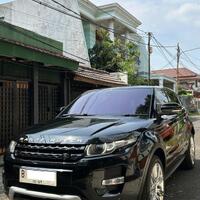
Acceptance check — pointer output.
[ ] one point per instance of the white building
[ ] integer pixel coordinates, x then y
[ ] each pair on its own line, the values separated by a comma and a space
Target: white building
50, 23
118, 20
66, 26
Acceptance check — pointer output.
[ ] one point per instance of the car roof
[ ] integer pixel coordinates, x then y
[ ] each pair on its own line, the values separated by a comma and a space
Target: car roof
126, 88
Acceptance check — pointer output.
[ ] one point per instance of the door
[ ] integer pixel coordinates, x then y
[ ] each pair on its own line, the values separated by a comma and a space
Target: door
15, 111
49, 101
168, 127
182, 126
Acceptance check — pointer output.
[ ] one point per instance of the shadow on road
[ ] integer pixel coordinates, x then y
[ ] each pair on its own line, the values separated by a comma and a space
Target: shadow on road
184, 185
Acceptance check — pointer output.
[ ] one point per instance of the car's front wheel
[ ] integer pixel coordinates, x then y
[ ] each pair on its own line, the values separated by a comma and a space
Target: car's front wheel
154, 186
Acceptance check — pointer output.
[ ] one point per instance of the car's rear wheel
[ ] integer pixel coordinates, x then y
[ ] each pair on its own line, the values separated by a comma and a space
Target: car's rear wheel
189, 161
154, 188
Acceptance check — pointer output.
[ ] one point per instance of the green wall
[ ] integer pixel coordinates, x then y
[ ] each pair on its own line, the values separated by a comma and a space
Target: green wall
16, 42
21, 71
15, 70
24, 36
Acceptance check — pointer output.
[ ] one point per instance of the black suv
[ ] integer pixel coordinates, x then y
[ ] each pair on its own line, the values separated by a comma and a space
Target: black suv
109, 144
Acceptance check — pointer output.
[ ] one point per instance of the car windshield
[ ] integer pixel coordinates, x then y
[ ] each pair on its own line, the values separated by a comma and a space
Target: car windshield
112, 102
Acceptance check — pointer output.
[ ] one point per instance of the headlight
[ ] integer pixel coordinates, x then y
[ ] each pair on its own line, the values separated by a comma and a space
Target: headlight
12, 146
107, 148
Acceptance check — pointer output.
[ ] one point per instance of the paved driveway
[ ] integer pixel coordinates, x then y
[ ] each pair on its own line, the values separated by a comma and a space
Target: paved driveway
182, 185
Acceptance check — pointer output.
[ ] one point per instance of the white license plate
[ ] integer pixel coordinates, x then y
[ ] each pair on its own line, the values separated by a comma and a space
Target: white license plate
38, 177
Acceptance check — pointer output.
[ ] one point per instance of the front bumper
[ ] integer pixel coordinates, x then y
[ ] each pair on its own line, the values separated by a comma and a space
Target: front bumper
41, 195
84, 182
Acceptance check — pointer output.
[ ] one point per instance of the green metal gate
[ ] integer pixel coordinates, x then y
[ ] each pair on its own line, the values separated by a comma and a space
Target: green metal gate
49, 101
14, 110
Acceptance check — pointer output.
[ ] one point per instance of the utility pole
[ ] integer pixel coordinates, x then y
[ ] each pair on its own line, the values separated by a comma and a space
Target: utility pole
149, 57
177, 67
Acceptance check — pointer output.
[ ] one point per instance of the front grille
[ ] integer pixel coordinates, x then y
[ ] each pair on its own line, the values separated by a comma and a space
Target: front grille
50, 152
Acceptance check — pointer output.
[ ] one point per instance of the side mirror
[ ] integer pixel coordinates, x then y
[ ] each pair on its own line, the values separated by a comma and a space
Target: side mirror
170, 109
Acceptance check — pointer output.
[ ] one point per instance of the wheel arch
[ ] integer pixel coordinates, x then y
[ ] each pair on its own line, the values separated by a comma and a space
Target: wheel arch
193, 131
161, 154
158, 151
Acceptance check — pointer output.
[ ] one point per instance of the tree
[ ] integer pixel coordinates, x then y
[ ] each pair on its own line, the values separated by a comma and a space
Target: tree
138, 80
114, 56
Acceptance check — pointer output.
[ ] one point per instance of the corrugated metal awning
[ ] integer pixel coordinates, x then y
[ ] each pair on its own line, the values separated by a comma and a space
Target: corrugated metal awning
97, 77
14, 49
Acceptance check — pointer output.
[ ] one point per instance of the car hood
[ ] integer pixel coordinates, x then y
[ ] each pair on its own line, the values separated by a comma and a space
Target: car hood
83, 130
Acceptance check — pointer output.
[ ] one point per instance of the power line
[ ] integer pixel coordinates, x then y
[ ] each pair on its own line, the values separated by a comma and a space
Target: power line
195, 57
171, 55
41, 41
102, 10
177, 66
162, 51
169, 63
173, 58
149, 56
39, 2
182, 64
91, 22
189, 60
84, 19
164, 47
194, 49
41, 19
65, 7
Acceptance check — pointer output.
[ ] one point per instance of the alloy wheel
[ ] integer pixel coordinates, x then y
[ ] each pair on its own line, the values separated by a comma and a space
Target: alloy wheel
157, 182
192, 150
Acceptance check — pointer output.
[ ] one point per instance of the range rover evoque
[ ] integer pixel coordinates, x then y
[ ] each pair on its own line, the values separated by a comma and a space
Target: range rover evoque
109, 144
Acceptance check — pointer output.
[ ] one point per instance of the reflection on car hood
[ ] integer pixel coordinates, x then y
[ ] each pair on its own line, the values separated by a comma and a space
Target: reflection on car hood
81, 130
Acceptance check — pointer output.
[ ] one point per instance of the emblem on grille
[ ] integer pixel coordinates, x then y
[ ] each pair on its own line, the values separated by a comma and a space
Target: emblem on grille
66, 156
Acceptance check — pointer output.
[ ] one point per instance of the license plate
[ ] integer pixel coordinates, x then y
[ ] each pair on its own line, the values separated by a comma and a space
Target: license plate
38, 177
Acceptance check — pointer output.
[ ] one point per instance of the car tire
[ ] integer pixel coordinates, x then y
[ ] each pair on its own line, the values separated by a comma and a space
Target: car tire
154, 187
189, 161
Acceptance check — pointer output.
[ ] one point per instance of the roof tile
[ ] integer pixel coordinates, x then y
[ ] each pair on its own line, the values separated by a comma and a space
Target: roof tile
183, 73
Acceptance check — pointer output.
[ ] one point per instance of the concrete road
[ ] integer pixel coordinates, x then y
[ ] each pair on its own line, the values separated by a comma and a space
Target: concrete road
182, 185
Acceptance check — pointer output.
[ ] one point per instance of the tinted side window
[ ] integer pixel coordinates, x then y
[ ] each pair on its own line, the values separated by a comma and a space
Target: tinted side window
161, 96
172, 96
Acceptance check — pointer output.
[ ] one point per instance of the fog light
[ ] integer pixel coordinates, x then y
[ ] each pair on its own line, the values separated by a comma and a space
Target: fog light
113, 181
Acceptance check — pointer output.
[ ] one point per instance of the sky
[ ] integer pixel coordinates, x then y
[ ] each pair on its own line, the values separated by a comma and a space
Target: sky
4, 1
171, 21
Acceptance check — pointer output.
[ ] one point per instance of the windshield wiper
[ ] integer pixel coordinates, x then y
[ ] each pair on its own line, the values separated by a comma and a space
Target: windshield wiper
74, 115
133, 115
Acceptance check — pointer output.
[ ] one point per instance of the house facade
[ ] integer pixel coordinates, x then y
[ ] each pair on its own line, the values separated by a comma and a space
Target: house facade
39, 71
33, 80
164, 81
52, 21
120, 23
188, 79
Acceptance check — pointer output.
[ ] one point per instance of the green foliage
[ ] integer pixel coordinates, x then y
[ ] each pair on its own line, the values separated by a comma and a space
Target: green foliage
113, 56
183, 92
137, 80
